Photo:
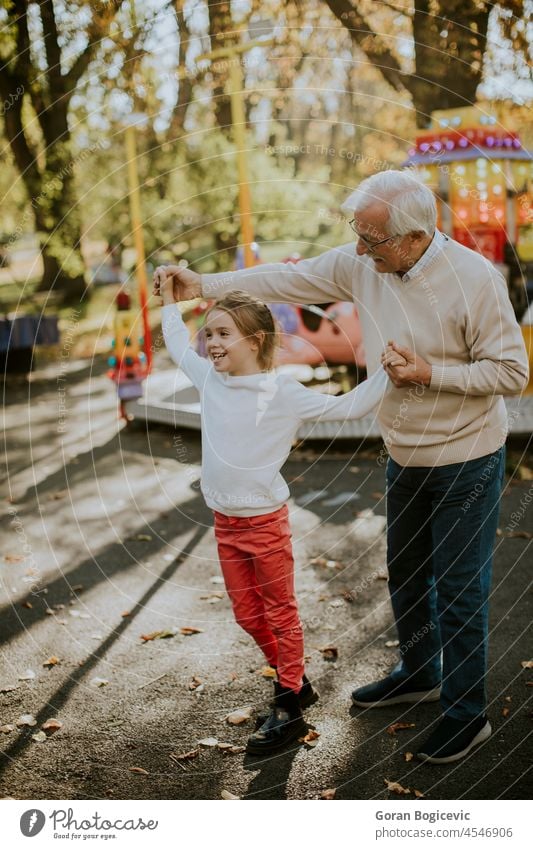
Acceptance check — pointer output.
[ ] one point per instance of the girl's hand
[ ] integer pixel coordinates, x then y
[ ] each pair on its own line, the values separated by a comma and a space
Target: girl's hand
411, 369
184, 284
163, 287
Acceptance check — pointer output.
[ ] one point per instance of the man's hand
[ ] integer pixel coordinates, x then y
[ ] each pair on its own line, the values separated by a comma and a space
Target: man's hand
414, 369
176, 283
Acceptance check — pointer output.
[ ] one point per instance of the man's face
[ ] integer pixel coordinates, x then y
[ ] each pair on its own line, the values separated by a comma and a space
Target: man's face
397, 254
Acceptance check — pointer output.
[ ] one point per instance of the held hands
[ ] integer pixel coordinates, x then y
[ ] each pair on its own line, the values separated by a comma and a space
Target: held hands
403, 367
174, 283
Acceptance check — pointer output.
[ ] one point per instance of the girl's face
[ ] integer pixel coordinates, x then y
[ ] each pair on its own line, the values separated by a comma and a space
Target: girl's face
230, 351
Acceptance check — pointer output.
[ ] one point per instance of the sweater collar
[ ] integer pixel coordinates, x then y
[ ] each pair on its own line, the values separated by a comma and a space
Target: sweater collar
431, 252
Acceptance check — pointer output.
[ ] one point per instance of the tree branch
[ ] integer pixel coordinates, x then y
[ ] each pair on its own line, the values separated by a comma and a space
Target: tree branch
369, 42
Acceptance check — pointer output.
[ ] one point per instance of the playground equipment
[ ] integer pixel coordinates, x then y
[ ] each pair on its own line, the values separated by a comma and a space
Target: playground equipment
128, 362
482, 177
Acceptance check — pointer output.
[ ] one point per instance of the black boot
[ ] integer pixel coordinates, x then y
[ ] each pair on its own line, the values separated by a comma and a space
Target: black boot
283, 725
307, 696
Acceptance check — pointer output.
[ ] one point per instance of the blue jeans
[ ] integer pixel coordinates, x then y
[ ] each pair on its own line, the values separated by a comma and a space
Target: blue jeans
441, 527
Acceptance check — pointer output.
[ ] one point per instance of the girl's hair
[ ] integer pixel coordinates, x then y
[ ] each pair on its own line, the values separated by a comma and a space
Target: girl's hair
253, 319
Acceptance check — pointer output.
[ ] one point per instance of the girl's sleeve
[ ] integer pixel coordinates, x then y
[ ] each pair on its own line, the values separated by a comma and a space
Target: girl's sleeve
310, 404
178, 345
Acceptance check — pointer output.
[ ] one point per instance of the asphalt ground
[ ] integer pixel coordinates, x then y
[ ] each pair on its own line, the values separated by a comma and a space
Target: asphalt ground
105, 539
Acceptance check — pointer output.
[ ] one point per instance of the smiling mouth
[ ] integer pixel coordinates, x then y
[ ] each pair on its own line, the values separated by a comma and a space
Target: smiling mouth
217, 357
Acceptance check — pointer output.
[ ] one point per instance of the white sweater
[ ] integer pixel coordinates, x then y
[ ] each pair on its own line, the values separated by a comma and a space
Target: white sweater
454, 311
250, 421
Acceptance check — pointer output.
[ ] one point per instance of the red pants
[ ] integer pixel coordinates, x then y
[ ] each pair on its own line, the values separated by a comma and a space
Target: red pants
256, 558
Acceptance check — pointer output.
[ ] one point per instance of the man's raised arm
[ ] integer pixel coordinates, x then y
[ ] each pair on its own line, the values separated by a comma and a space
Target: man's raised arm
324, 278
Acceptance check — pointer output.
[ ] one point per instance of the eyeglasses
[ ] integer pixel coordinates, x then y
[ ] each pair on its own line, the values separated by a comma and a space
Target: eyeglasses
370, 246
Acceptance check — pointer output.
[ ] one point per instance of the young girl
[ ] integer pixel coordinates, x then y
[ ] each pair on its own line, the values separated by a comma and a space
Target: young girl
250, 415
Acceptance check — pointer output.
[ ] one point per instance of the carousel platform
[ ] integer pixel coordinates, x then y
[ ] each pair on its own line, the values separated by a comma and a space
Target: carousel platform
170, 398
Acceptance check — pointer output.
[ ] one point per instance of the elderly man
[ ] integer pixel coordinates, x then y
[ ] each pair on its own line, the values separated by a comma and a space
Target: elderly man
446, 310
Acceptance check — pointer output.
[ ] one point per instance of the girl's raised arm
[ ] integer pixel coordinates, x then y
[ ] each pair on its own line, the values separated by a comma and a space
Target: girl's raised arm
178, 345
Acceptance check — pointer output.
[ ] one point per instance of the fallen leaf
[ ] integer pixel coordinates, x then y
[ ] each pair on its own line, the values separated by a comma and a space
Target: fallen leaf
519, 535
399, 726
208, 742
237, 717
157, 635
310, 739
52, 725
29, 675
268, 672
187, 632
227, 795
391, 644
499, 532
56, 496
14, 558
26, 719
143, 537
528, 684
185, 756
408, 756
394, 787
419, 794
349, 596
8, 688
524, 473
27, 604
224, 746
139, 770
328, 794
526, 664
234, 750
194, 683
39, 737
6, 729
50, 612
506, 711
508, 698
329, 652
98, 682
125, 613
377, 495
382, 576
52, 661
337, 602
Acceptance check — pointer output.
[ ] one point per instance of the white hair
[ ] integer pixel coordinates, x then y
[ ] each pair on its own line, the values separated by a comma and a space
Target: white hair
411, 205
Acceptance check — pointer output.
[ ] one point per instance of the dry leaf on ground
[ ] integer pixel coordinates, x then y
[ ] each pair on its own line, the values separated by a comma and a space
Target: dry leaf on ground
6, 729
208, 742
310, 739
506, 711
187, 632
329, 652
408, 756
267, 672
39, 737
157, 635
143, 537
391, 644
98, 682
399, 726
328, 794
138, 770
419, 794
526, 664
194, 683
185, 756
29, 675
52, 725
227, 795
519, 535
26, 719
237, 717
14, 558
52, 661
395, 787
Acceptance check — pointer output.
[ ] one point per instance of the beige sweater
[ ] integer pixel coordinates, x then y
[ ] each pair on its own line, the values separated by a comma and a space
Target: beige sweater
455, 313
